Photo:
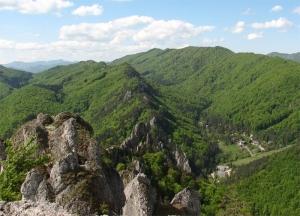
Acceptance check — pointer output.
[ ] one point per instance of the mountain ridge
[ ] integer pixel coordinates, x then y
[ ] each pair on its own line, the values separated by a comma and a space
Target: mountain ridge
37, 66
293, 56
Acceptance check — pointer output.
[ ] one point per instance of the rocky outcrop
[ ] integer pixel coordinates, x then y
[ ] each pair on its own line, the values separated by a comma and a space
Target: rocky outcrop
75, 181
141, 130
181, 160
2, 153
30, 208
74, 178
188, 198
140, 197
132, 171
2, 150
141, 136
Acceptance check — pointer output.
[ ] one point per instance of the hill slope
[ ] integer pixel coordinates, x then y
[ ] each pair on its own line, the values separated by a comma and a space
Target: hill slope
293, 56
246, 92
35, 67
172, 66
11, 80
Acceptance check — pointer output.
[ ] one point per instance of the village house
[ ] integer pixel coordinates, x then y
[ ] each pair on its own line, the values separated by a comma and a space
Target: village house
255, 142
223, 170
241, 143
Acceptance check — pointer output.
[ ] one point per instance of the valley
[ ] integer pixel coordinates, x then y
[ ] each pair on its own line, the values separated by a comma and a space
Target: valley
180, 112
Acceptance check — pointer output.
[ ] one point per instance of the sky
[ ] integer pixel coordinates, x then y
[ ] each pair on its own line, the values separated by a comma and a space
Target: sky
77, 30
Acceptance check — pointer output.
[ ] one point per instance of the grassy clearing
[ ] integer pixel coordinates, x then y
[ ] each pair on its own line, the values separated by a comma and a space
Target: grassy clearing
257, 156
234, 149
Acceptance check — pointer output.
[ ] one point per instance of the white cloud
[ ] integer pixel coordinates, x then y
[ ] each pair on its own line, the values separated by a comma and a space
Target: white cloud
5, 44
169, 30
34, 7
297, 10
134, 30
280, 23
210, 41
254, 36
276, 8
238, 28
107, 41
102, 31
94, 10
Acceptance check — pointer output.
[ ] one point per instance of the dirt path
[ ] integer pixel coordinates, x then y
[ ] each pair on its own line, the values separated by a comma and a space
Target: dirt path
246, 147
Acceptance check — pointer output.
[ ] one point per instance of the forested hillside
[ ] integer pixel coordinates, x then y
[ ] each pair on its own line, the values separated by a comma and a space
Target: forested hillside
11, 80
293, 56
270, 185
199, 97
113, 99
247, 92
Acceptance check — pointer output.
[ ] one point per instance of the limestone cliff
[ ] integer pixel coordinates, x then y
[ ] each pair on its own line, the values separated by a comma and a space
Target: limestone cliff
140, 197
74, 178
76, 181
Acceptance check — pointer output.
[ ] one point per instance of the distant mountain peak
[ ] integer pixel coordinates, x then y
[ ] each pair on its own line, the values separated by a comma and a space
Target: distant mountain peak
293, 56
37, 66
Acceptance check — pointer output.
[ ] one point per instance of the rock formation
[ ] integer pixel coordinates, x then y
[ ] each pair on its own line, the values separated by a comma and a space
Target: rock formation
30, 208
75, 181
190, 199
140, 197
2, 152
143, 130
74, 178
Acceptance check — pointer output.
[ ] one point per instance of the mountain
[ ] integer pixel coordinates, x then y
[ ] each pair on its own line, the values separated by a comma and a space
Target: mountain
245, 91
179, 112
11, 80
35, 67
293, 56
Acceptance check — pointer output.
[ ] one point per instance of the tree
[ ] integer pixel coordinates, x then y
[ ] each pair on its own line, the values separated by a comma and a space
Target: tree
18, 162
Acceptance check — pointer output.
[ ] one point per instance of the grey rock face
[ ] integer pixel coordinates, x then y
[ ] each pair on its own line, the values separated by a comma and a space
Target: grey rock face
44, 119
74, 178
62, 166
190, 199
2, 153
140, 197
31, 184
2, 150
182, 160
141, 129
64, 139
30, 208
138, 167
116, 186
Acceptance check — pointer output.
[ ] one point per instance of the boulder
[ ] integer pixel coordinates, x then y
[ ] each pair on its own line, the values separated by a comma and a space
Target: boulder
140, 197
188, 198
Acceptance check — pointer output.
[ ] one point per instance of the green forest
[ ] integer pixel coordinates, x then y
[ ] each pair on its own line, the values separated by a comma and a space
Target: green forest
205, 100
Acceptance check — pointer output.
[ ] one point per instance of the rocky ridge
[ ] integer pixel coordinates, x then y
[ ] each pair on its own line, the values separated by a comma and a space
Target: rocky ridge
76, 181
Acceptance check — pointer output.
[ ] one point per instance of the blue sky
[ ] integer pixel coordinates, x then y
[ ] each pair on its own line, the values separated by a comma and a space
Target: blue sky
105, 30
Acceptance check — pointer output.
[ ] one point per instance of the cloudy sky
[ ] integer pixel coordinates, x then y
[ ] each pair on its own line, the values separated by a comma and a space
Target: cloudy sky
32, 30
